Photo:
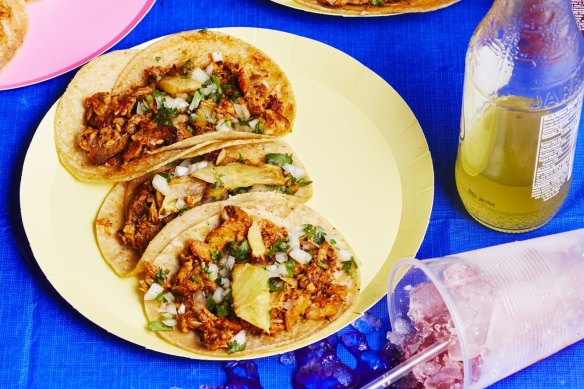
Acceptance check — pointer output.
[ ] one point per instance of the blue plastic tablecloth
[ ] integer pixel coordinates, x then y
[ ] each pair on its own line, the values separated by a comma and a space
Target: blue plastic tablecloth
45, 343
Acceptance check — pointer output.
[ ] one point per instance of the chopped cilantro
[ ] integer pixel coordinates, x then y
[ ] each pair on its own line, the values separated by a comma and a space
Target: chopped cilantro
158, 326
314, 233
235, 347
165, 115
187, 67
235, 97
290, 266
160, 276
280, 246
322, 265
291, 182
240, 158
196, 279
241, 189
223, 308
165, 175
218, 180
333, 242
301, 182
348, 266
160, 297
205, 268
376, 2
241, 251
275, 284
279, 159
259, 128
216, 255
157, 59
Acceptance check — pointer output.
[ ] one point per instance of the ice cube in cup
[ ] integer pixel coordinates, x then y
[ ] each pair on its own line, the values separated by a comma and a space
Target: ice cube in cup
503, 308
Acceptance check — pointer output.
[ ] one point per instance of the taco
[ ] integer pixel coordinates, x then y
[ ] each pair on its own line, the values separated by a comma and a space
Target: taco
13, 27
135, 211
95, 77
186, 90
375, 7
253, 276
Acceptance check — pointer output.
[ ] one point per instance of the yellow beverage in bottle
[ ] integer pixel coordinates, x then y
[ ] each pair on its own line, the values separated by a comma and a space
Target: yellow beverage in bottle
513, 169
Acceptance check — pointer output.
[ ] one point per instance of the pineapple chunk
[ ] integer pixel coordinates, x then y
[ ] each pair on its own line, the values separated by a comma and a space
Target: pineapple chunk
237, 175
188, 188
254, 237
251, 295
175, 85
248, 154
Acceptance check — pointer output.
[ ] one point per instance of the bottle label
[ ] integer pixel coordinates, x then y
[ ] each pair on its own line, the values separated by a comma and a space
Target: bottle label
555, 150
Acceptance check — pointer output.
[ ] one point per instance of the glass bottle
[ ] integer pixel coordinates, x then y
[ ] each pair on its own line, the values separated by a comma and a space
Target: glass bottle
521, 110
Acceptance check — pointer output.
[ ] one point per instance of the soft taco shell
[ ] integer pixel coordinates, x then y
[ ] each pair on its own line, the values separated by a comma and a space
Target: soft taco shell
196, 47
279, 209
99, 75
389, 8
112, 214
13, 27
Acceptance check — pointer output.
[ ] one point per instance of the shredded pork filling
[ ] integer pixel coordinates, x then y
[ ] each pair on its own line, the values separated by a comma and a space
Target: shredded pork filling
172, 107
146, 214
306, 292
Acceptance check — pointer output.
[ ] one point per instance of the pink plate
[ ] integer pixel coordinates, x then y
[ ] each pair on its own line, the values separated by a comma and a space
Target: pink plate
65, 34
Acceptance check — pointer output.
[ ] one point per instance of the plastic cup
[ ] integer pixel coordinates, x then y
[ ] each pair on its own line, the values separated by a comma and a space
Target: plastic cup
510, 305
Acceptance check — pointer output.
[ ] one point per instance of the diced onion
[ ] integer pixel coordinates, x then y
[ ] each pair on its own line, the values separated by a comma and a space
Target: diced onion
169, 322
209, 69
300, 256
230, 262
153, 292
287, 304
345, 255
253, 123
282, 269
281, 257
223, 125
239, 338
181, 309
246, 113
167, 308
177, 103
213, 271
225, 282
180, 171
197, 166
217, 56
185, 163
169, 297
195, 102
266, 84
218, 295
199, 75
160, 184
211, 88
224, 272
199, 297
140, 108
295, 171
180, 203
238, 110
273, 271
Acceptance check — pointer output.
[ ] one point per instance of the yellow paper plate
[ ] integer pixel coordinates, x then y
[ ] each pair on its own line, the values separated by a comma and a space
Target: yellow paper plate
362, 145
